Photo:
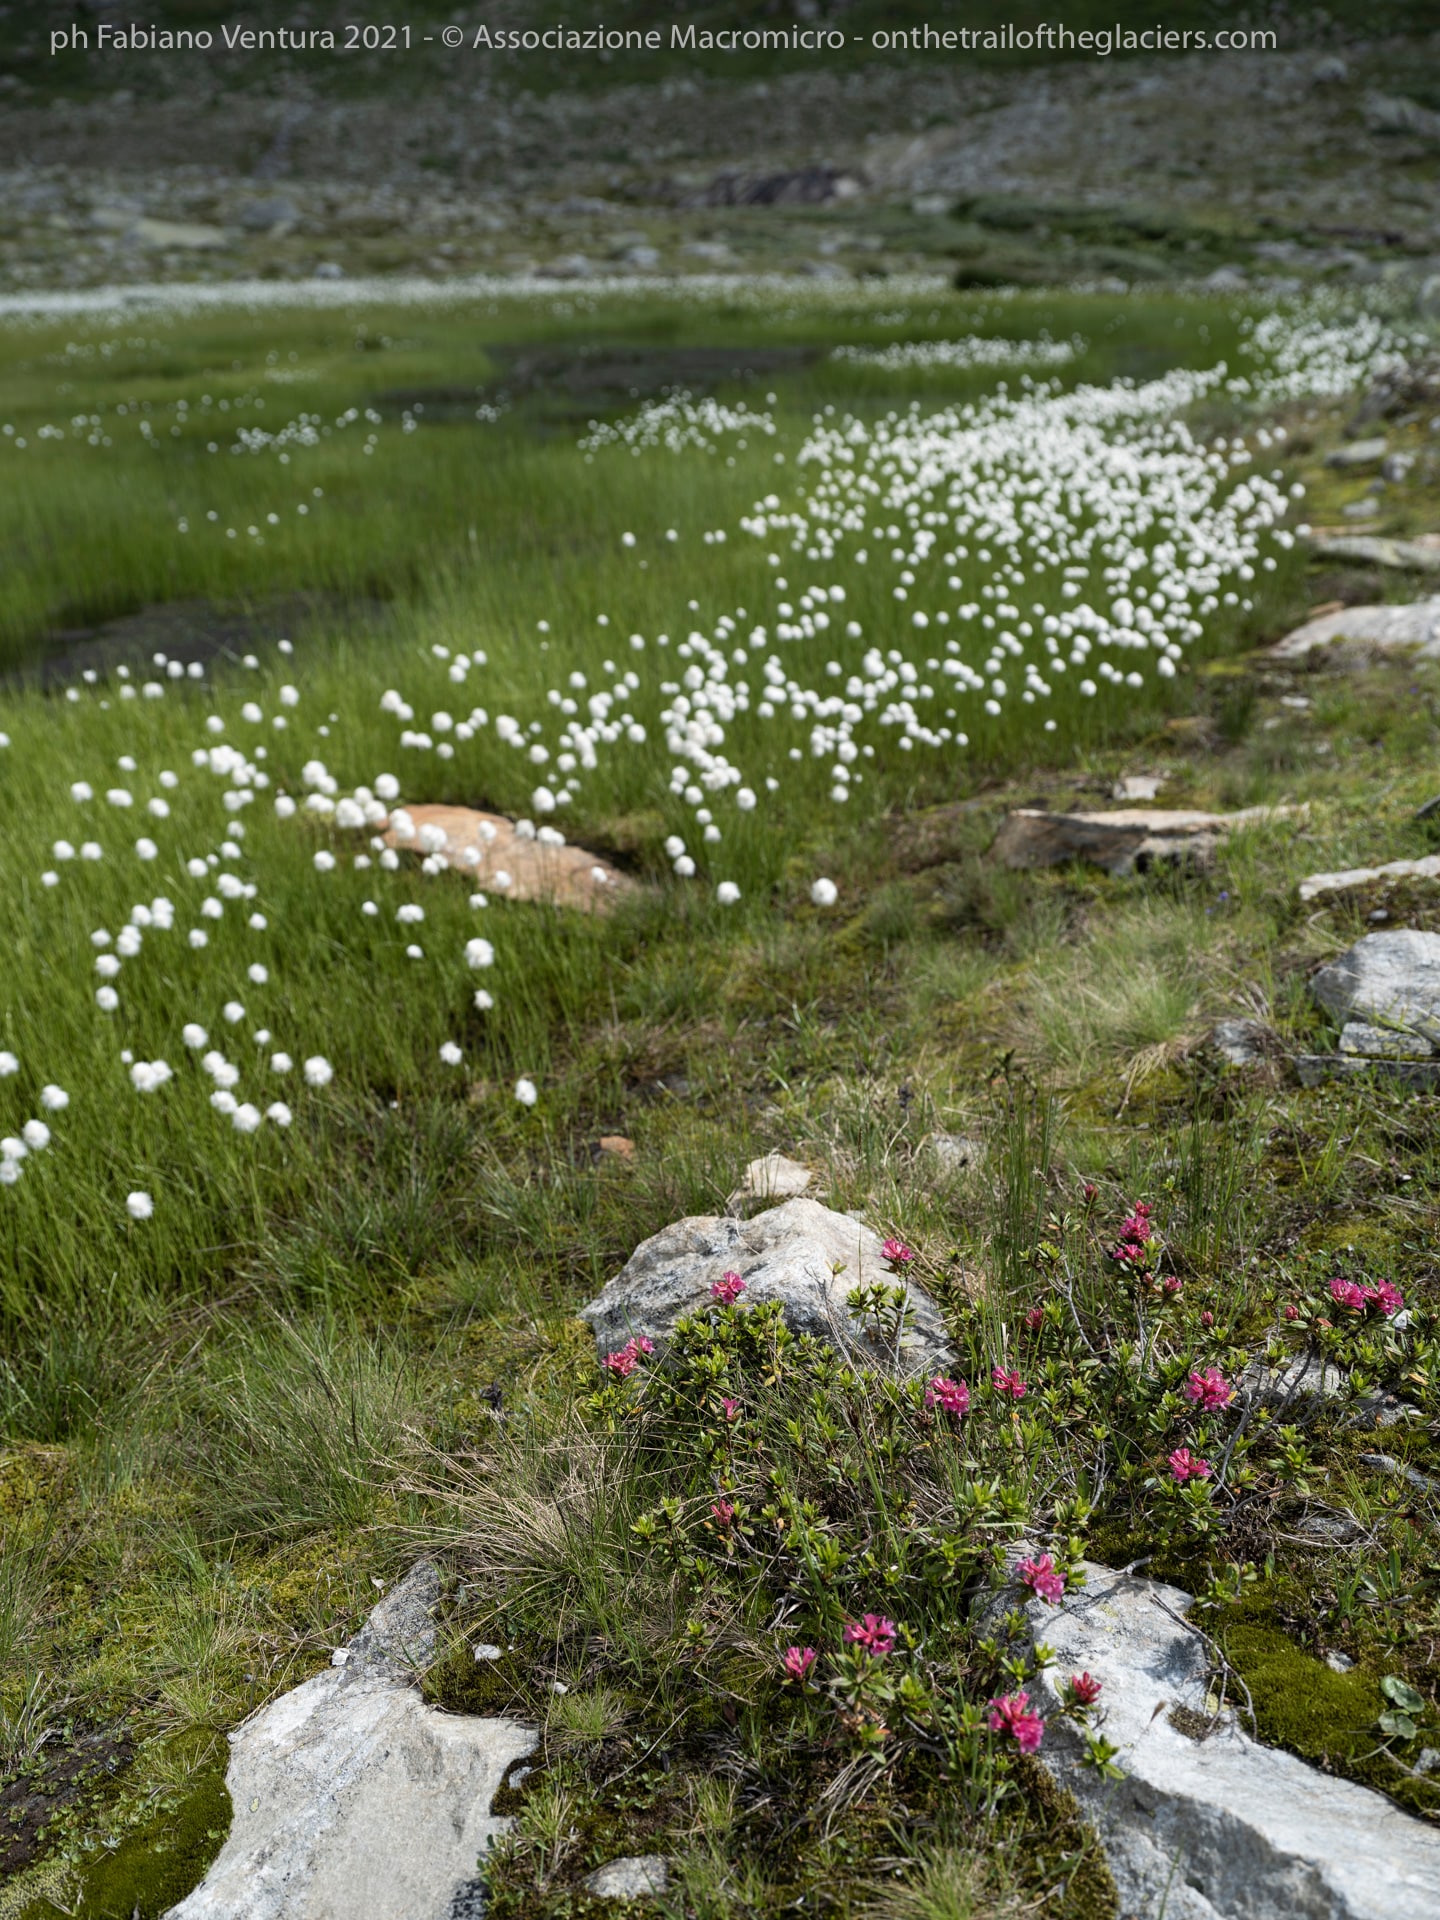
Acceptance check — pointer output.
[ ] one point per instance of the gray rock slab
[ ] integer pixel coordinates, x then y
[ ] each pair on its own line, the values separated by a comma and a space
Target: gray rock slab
1297, 1384
1358, 1037
1217, 1828
1123, 841
1348, 878
1357, 453
774, 1176
1416, 625
630, 1878
352, 1797
1241, 1042
1389, 979
802, 1254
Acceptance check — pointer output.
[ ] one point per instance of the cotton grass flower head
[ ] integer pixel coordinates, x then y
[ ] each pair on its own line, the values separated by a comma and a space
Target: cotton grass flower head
193, 1035
727, 893
279, 1113
8, 1064
139, 1205
451, 1054
107, 999
54, 1099
824, 893
479, 953
318, 1071
526, 1092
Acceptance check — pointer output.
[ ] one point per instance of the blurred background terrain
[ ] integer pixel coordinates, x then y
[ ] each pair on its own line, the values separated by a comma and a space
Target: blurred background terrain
1319, 159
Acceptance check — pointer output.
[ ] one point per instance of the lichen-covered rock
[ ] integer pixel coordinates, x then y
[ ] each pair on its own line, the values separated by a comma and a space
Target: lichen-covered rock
1207, 1824
352, 1796
802, 1254
1365, 1042
1386, 980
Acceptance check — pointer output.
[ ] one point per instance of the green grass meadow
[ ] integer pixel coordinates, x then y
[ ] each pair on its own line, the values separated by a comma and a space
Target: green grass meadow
343, 1341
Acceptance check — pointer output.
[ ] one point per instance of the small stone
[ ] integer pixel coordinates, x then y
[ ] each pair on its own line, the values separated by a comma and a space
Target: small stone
1338, 1662
773, 1177
1382, 1043
1240, 1042
616, 1145
1418, 555
957, 1152
1428, 1760
486, 1651
1300, 1381
1366, 509
1137, 786
630, 1878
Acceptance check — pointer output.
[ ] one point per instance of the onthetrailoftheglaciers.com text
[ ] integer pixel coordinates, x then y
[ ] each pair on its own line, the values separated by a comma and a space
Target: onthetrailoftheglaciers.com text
1099, 42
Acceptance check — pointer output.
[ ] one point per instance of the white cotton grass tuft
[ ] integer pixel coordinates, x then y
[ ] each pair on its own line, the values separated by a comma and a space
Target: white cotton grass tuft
233, 1012
193, 1035
54, 1099
451, 1054
526, 1092
824, 893
280, 1063
279, 1113
245, 1118
479, 953
36, 1135
727, 893
8, 1063
483, 1001
107, 999
318, 1071
139, 1205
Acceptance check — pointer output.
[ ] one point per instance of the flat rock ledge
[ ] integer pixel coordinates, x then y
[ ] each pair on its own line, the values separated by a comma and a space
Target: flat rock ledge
1214, 1827
1418, 555
1125, 840
1416, 625
1345, 881
352, 1797
802, 1254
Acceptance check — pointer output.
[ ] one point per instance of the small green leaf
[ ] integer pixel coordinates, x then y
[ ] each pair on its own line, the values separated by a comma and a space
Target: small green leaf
1399, 1725
1402, 1693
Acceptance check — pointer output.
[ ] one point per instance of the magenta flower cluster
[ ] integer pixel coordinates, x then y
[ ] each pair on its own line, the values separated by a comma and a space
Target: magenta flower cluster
1042, 1578
952, 1396
1381, 1298
623, 1362
1209, 1390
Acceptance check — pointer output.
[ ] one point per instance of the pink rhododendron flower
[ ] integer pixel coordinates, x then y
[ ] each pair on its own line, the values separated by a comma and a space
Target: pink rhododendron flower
1136, 1245
1083, 1689
623, 1361
731, 1411
1292, 1312
1013, 1714
798, 1662
1209, 1390
1385, 1298
873, 1635
728, 1289
1040, 1576
722, 1513
1345, 1293
1007, 1382
952, 1395
898, 1251
1034, 1318
1189, 1466
1207, 1319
